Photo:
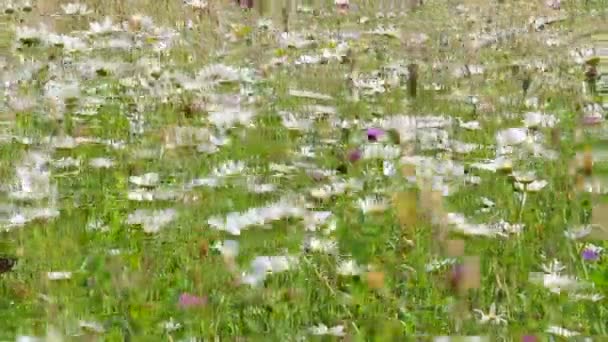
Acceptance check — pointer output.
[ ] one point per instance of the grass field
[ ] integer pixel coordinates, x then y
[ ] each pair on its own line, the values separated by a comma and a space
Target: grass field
177, 173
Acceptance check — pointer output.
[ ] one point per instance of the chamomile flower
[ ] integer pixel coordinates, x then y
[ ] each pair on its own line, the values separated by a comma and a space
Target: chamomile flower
314, 219
101, 163
31, 35
559, 331
228, 248
75, 9
218, 74
321, 245
555, 266
322, 329
536, 119
262, 266
439, 264
59, 275
197, 4
554, 280
152, 221
594, 297
512, 136
578, 232
150, 179
349, 268
380, 151
373, 205
171, 325
470, 125
292, 122
91, 326
32, 184
323, 192
492, 316
230, 168
104, 27
536, 186
260, 188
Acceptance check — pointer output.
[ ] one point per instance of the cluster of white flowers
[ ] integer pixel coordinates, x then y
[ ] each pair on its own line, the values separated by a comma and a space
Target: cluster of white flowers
234, 222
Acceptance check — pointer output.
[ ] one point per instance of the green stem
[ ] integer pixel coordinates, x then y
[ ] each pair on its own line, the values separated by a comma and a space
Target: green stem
523, 203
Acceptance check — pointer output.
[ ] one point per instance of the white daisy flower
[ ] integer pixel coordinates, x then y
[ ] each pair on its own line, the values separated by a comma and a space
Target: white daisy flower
33, 184
95, 327
59, 275
104, 27
171, 325
491, 317
556, 330
101, 163
218, 74
75, 9
211, 182
140, 195
65, 162
309, 95
554, 267
578, 232
261, 188
595, 297
509, 228
373, 205
322, 329
439, 264
553, 280
97, 225
230, 168
321, 245
146, 180
323, 192
512, 136
380, 151
261, 266
228, 248
537, 119
462, 225
313, 219
470, 125
30, 34
388, 168
290, 121
152, 220
534, 186
25, 338
349, 268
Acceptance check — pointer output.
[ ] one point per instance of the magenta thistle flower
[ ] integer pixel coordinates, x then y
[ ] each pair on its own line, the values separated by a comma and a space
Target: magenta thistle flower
187, 300
354, 155
373, 134
590, 120
456, 276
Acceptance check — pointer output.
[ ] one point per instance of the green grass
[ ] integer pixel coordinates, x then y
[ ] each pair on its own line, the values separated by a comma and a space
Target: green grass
133, 293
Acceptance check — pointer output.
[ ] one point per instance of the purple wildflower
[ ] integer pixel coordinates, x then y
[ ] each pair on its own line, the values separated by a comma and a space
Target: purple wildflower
354, 155
187, 300
456, 276
590, 120
373, 134
529, 338
554, 4
590, 255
